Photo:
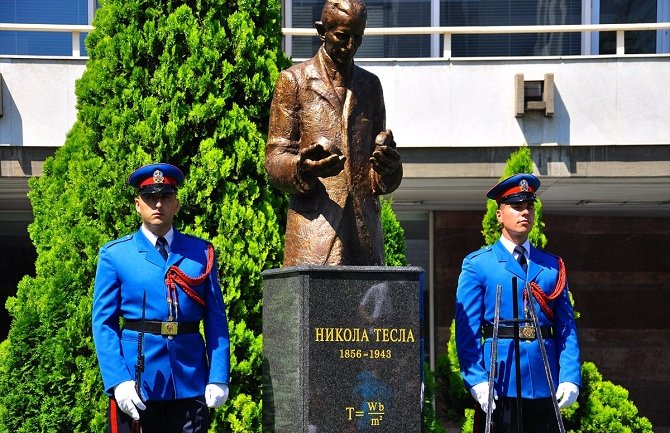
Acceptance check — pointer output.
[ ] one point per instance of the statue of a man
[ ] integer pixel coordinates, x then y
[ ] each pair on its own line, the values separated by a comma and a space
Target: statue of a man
328, 147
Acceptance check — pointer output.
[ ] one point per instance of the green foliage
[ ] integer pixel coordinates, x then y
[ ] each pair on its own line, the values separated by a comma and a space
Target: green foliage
446, 386
431, 423
468, 423
601, 407
394, 236
451, 368
457, 397
519, 161
177, 81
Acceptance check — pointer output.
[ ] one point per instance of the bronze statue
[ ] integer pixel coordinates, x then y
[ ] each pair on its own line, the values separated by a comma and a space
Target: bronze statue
328, 147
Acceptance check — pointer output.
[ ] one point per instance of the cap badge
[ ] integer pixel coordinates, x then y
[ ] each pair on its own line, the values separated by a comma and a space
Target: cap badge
523, 185
158, 176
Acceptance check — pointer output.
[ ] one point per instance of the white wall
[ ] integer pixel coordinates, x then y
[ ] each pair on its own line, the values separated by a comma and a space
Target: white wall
38, 100
431, 103
598, 101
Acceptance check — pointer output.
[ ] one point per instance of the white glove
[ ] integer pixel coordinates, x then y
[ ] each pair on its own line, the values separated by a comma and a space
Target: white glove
481, 393
566, 394
216, 394
128, 400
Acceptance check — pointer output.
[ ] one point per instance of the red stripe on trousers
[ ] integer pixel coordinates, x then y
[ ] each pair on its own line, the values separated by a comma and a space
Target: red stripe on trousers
113, 416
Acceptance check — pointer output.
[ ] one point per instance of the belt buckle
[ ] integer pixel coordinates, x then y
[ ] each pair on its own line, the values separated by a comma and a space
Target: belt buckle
169, 328
527, 332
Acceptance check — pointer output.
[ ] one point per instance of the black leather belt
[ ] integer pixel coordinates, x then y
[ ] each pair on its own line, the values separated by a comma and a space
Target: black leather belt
525, 332
163, 328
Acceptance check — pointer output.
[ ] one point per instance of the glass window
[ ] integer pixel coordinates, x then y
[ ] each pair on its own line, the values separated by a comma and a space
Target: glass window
628, 11
305, 13
512, 13
41, 12
381, 13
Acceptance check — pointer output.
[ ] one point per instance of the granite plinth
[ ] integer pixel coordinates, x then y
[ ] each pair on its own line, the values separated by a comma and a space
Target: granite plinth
342, 349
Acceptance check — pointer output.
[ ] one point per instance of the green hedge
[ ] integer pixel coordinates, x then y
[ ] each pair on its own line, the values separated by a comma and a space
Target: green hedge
185, 82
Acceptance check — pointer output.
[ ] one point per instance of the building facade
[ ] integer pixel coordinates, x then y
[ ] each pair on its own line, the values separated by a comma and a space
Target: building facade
594, 106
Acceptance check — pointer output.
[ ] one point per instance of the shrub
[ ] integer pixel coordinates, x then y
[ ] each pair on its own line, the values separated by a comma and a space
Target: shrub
395, 252
176, 81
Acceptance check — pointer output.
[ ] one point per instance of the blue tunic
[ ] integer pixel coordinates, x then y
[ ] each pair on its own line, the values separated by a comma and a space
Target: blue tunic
175, 367
481, 272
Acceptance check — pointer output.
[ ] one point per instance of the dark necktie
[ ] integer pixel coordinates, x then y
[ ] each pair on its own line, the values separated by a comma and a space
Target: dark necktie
522, 257
160, 246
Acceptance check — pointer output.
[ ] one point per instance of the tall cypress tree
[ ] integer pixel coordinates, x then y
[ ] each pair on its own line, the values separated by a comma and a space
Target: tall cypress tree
181, 81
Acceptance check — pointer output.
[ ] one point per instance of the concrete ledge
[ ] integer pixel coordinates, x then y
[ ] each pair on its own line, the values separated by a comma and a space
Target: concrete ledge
19, 161
550, 160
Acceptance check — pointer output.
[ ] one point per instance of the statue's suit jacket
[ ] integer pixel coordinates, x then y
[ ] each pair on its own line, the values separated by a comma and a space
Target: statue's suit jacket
334, 220
481, 272
175, 367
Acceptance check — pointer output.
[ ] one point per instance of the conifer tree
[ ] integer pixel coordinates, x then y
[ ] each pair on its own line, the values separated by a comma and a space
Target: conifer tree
395, 253
179, 81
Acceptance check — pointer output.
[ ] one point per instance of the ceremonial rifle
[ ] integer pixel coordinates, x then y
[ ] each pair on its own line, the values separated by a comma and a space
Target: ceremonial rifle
517, 351
139, 368
545, 359
494, 358
517, 358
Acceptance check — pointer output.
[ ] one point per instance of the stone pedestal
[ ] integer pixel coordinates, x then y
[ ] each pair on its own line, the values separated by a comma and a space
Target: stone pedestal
342, 349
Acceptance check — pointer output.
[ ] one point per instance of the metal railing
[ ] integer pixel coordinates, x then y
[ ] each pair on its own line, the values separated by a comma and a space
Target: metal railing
445, 32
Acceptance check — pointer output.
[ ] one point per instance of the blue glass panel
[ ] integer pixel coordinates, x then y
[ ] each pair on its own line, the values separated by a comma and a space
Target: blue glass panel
628, 11
381, 13
512, 13
41, 12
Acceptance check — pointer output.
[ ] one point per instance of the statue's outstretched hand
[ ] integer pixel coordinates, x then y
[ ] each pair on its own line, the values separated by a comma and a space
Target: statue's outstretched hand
317, 161
385, 158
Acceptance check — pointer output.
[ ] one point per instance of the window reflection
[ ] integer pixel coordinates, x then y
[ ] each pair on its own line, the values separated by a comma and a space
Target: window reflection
512, 13
41, 12
628, 11
382, 13
416, 13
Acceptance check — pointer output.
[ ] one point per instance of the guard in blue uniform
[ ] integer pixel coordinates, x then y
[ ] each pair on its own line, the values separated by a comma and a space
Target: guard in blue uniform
513, 256
171, 280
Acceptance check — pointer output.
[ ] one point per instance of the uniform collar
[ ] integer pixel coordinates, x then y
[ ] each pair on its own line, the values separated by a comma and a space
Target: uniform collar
509, 246
169, 236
